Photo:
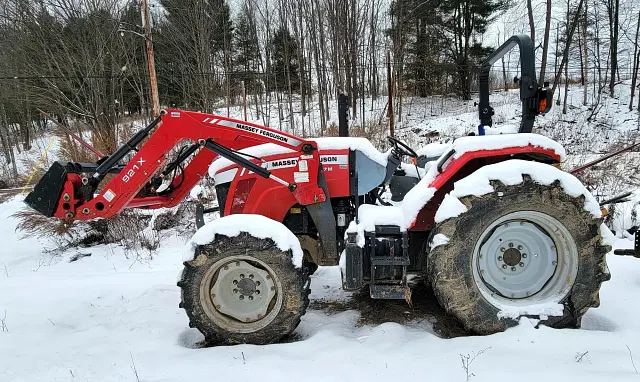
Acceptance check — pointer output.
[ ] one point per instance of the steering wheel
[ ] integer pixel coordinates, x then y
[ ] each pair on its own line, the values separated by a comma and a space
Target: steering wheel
401, 147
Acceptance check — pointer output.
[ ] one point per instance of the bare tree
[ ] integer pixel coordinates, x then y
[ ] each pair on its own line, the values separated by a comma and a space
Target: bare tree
613, 13
569, 36
585, 56
532, 26
636, 64
545, 43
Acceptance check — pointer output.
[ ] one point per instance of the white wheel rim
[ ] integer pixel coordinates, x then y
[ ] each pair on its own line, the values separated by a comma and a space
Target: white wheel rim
241, 294
525, 258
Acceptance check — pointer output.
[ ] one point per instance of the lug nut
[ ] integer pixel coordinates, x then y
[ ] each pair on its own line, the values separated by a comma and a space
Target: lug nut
499, 258
513, 268
520, 248
257, 291
258, 283
524, 255
504, 266
235, 282
85, 211
250, 297
241, 275
235, 291
522, 264
241, 297
510, 245
502, 249
251, 277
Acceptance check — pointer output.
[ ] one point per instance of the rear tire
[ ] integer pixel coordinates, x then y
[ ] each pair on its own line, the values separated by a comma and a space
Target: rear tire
475, 277
243, 290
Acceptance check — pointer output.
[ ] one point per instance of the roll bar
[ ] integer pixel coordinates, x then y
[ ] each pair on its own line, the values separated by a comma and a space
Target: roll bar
535, 100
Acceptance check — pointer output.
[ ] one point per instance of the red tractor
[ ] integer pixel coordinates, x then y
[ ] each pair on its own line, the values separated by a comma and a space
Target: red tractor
490, 222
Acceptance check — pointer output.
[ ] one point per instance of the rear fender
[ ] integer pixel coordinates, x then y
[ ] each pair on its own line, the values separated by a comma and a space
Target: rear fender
451, 169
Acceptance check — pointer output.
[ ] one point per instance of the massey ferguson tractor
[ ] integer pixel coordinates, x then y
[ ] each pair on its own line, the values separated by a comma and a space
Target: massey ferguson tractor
490, 222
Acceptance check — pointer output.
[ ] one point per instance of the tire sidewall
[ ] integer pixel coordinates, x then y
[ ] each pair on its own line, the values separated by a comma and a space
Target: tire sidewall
454, 260
294, 288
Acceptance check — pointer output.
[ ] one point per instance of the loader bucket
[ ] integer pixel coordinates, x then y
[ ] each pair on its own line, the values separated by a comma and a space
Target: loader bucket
46, 194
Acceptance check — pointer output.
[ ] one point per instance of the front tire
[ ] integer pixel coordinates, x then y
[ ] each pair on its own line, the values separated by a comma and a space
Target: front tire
521, 246
243, 290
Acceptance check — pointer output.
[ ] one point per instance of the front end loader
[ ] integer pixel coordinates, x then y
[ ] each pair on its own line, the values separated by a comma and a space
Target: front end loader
490, 222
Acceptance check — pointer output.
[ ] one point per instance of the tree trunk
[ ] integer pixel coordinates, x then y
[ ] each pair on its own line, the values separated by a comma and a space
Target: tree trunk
613, 11
532, 26
636, 64
565, 54
585, 55
545, 43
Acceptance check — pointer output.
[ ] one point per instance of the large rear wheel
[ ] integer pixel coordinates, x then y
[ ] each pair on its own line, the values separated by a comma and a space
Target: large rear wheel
243, 290
523, 250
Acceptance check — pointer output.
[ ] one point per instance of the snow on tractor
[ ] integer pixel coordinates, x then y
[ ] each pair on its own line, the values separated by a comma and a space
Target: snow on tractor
490, 222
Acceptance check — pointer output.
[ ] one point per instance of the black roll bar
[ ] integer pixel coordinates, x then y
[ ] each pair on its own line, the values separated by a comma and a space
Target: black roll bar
528, 84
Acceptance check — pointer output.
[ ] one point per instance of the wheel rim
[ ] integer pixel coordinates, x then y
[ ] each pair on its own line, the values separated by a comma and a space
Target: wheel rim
525, 257
241, 294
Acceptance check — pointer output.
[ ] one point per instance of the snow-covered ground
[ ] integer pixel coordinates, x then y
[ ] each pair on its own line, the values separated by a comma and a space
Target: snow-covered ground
110, 316
106, 317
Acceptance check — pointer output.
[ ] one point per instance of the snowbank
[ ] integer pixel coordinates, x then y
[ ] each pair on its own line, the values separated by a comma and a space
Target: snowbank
255, 225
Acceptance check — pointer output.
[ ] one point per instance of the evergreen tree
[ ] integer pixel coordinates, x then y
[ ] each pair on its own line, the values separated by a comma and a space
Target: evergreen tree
463, 19
247, 55
284, 62
195, 45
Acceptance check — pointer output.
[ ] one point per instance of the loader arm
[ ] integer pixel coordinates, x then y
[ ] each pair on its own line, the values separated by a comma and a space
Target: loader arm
70, 190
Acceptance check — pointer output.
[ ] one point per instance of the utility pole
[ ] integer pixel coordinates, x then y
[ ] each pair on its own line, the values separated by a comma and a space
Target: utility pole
153, 81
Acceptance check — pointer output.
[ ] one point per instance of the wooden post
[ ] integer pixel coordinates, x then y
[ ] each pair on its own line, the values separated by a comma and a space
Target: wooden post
244, 99
390, 100
343, 114
153, 82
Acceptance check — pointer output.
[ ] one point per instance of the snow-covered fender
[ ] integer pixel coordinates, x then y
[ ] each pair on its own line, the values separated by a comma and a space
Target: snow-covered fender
257, 226
466, 155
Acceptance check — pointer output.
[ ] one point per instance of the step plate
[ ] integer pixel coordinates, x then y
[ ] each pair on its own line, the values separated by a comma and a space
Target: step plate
390, 260
388, 291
